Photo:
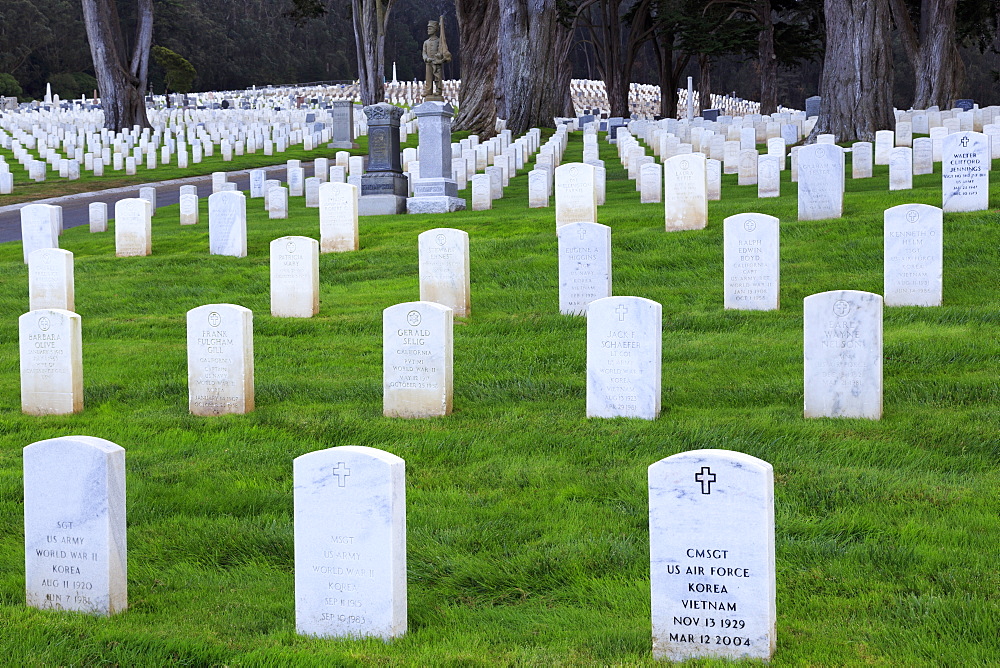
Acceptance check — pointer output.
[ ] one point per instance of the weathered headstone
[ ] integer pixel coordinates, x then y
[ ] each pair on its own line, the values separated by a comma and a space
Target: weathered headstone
913, 255
768, 176
417, 359
747, 175
685, 193
189, 209
257, 178
965, 180
227, 223
576, 198
220, 359
75, 547
98, 216
444, 269
133, 228
713, 180
584, 266
538, 189
277, 203
821, 182
294, 277
751, 267
843, 354
350, 543
338, 217
923, 156
651, 183
50, 279
861, 160
343, 124
51, 349
711, 553
482, 193
624, 343
39, 228
901, 168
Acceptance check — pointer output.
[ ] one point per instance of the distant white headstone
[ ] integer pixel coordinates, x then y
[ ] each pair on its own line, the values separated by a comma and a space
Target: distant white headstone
227, 223
843, 354
189, 209
350, 543
50, 279
220, 359
294, 277
51, 349
417, 359
444, 269
39, 228
75, 547
133, 228
624, 343
98, 214
576, 198
338, 217
711, 553
685, 193
821, 182
861, 160
901, 168
584, 266
913, 255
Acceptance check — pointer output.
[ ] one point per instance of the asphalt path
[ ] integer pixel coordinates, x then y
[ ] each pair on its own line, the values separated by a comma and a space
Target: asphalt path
76, 208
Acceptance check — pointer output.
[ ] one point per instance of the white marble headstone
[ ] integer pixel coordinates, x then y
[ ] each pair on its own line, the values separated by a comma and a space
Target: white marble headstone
294, 277
751, 267
39, 228
711, 554
220, 359
821, 182
444, 269
133, 228
624, 345
75, 547
189, 209
417, 359
965, 181
685, 192
584, 265
576, 196
913, 255
98, 216
50, 279
843, 354
227, 223
350, 543
338, 217
51, 360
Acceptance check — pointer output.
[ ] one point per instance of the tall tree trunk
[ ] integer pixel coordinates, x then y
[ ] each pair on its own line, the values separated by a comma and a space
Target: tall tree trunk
663, 47
370, 20
616, 72
704, 83
767, 59
121, 79
932, 50
478, 29
530, 63
857, 70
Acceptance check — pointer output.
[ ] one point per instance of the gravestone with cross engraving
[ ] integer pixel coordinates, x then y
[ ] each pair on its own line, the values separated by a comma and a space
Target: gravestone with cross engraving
584, 266
444, 269
711, 550
965, 180
685, 193
843, 354
417, 354
751, 265
350, 543
576, 196
913, 255
74, 525
220, 359
294, 277
624, 344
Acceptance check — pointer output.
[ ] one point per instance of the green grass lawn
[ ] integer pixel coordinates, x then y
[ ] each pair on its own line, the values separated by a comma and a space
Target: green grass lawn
526, 522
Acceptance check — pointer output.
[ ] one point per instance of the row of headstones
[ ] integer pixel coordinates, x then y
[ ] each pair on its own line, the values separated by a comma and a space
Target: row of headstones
488, 187
924, 121
711, 539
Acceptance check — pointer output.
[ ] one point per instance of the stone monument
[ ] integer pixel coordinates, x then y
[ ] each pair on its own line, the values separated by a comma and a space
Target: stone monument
434, 189
383, 186
435, 54
343, 124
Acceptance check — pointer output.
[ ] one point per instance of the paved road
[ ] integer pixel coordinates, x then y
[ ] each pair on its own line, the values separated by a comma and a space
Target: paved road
76, 208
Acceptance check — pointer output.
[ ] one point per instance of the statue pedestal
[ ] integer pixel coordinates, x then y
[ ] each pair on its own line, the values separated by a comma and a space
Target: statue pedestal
382, 194
434, 191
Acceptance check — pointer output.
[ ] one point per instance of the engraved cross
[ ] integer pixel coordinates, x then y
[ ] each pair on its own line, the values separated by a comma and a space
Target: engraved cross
621, 311
706, 478
965, 141
581, 233
341, 471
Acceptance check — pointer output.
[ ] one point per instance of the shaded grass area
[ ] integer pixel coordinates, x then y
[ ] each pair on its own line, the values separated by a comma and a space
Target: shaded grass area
527, 527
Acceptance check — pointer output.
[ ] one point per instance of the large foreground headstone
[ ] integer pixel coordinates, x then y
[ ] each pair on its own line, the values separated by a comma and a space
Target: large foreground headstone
751, 267
965, 180
417, 354
350, 543
50, 279
75, 552
624, 343
220, 359
584, 266
51, 348
711, 556
294, 277
913, 255
444, 269
843, 354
